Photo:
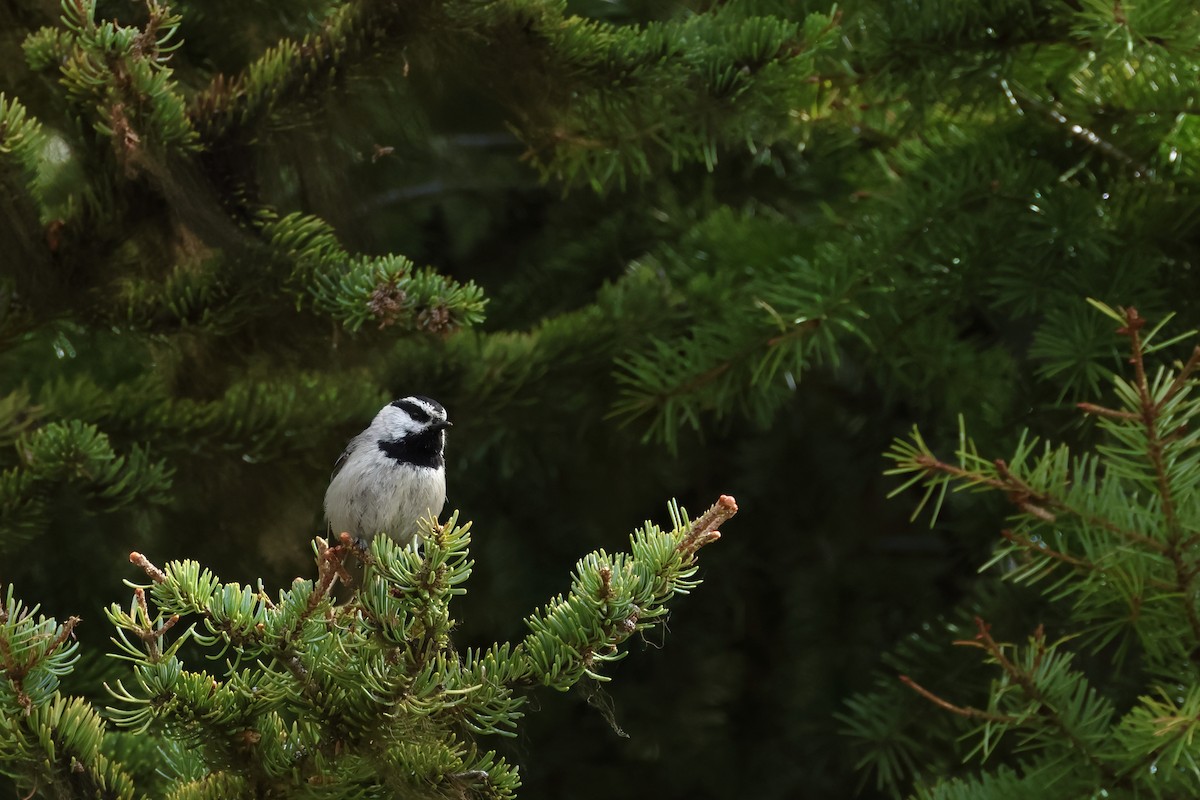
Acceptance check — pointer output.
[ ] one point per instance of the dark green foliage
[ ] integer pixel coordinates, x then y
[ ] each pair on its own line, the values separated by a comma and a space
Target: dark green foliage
732, 246
1103, 697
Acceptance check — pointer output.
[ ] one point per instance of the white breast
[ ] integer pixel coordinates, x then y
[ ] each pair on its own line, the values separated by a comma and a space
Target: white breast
373, 493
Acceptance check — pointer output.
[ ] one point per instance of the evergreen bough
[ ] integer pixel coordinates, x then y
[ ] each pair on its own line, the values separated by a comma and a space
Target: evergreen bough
898, 203
365, 698
1103, 699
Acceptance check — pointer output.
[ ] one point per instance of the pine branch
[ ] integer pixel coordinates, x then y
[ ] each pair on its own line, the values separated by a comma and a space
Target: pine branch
364, 694
56, 455
1150, 416
21, 140
292, 70
388, 290
1043, 697
962, 711
49, 743
651, 84
1073, 516
118, 77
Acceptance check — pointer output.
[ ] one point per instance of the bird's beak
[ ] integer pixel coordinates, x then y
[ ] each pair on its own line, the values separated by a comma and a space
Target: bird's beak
437, 426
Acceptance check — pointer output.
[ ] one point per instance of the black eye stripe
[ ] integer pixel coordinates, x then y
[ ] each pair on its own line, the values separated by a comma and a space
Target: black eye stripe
417, 413
430, 403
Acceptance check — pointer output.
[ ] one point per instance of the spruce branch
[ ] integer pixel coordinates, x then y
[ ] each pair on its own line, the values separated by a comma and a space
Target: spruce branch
259, 415
650, 390
49, 742
1043, 502
21, 140
1043, 696
1149, 412
369, 691
27, 649
118, 77
1116, 528
1159, 733
614, 596
56, 455
1020, 98
1030, 675
1161, 408
645, 85
354, 290
291, 69
727, 359
652, 85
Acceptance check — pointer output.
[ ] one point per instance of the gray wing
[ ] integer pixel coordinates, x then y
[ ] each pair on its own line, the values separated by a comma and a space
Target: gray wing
341, 462
337, 467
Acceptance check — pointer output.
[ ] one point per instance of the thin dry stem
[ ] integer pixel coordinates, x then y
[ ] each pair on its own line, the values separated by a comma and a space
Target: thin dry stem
962, 711
1022, 495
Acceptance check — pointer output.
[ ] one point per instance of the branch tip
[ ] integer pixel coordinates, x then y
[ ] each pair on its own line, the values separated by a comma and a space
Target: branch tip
704, 530
156, 574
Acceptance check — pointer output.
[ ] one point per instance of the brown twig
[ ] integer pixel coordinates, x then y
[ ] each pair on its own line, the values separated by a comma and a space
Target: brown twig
962, 711
1028, 499
68, 630
704, 529
330, 567
1101, 411
156, 574
1185, 574
150, 635
606, 591
1028, 544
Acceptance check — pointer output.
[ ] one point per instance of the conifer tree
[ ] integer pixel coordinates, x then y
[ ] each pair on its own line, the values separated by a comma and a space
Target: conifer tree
190, 305
615, 239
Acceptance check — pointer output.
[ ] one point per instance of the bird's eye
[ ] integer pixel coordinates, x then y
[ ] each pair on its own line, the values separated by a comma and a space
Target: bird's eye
414, 411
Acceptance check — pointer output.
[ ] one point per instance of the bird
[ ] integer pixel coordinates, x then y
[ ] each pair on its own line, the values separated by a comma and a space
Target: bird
392, 475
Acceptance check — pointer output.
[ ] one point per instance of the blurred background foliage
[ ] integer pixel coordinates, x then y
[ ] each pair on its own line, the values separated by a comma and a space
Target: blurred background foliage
725, 247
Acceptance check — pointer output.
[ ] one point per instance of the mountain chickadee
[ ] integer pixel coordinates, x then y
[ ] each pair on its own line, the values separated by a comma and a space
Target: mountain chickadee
392, 474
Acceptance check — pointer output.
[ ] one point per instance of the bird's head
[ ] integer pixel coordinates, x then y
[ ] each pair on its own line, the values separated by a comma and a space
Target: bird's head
410, 417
